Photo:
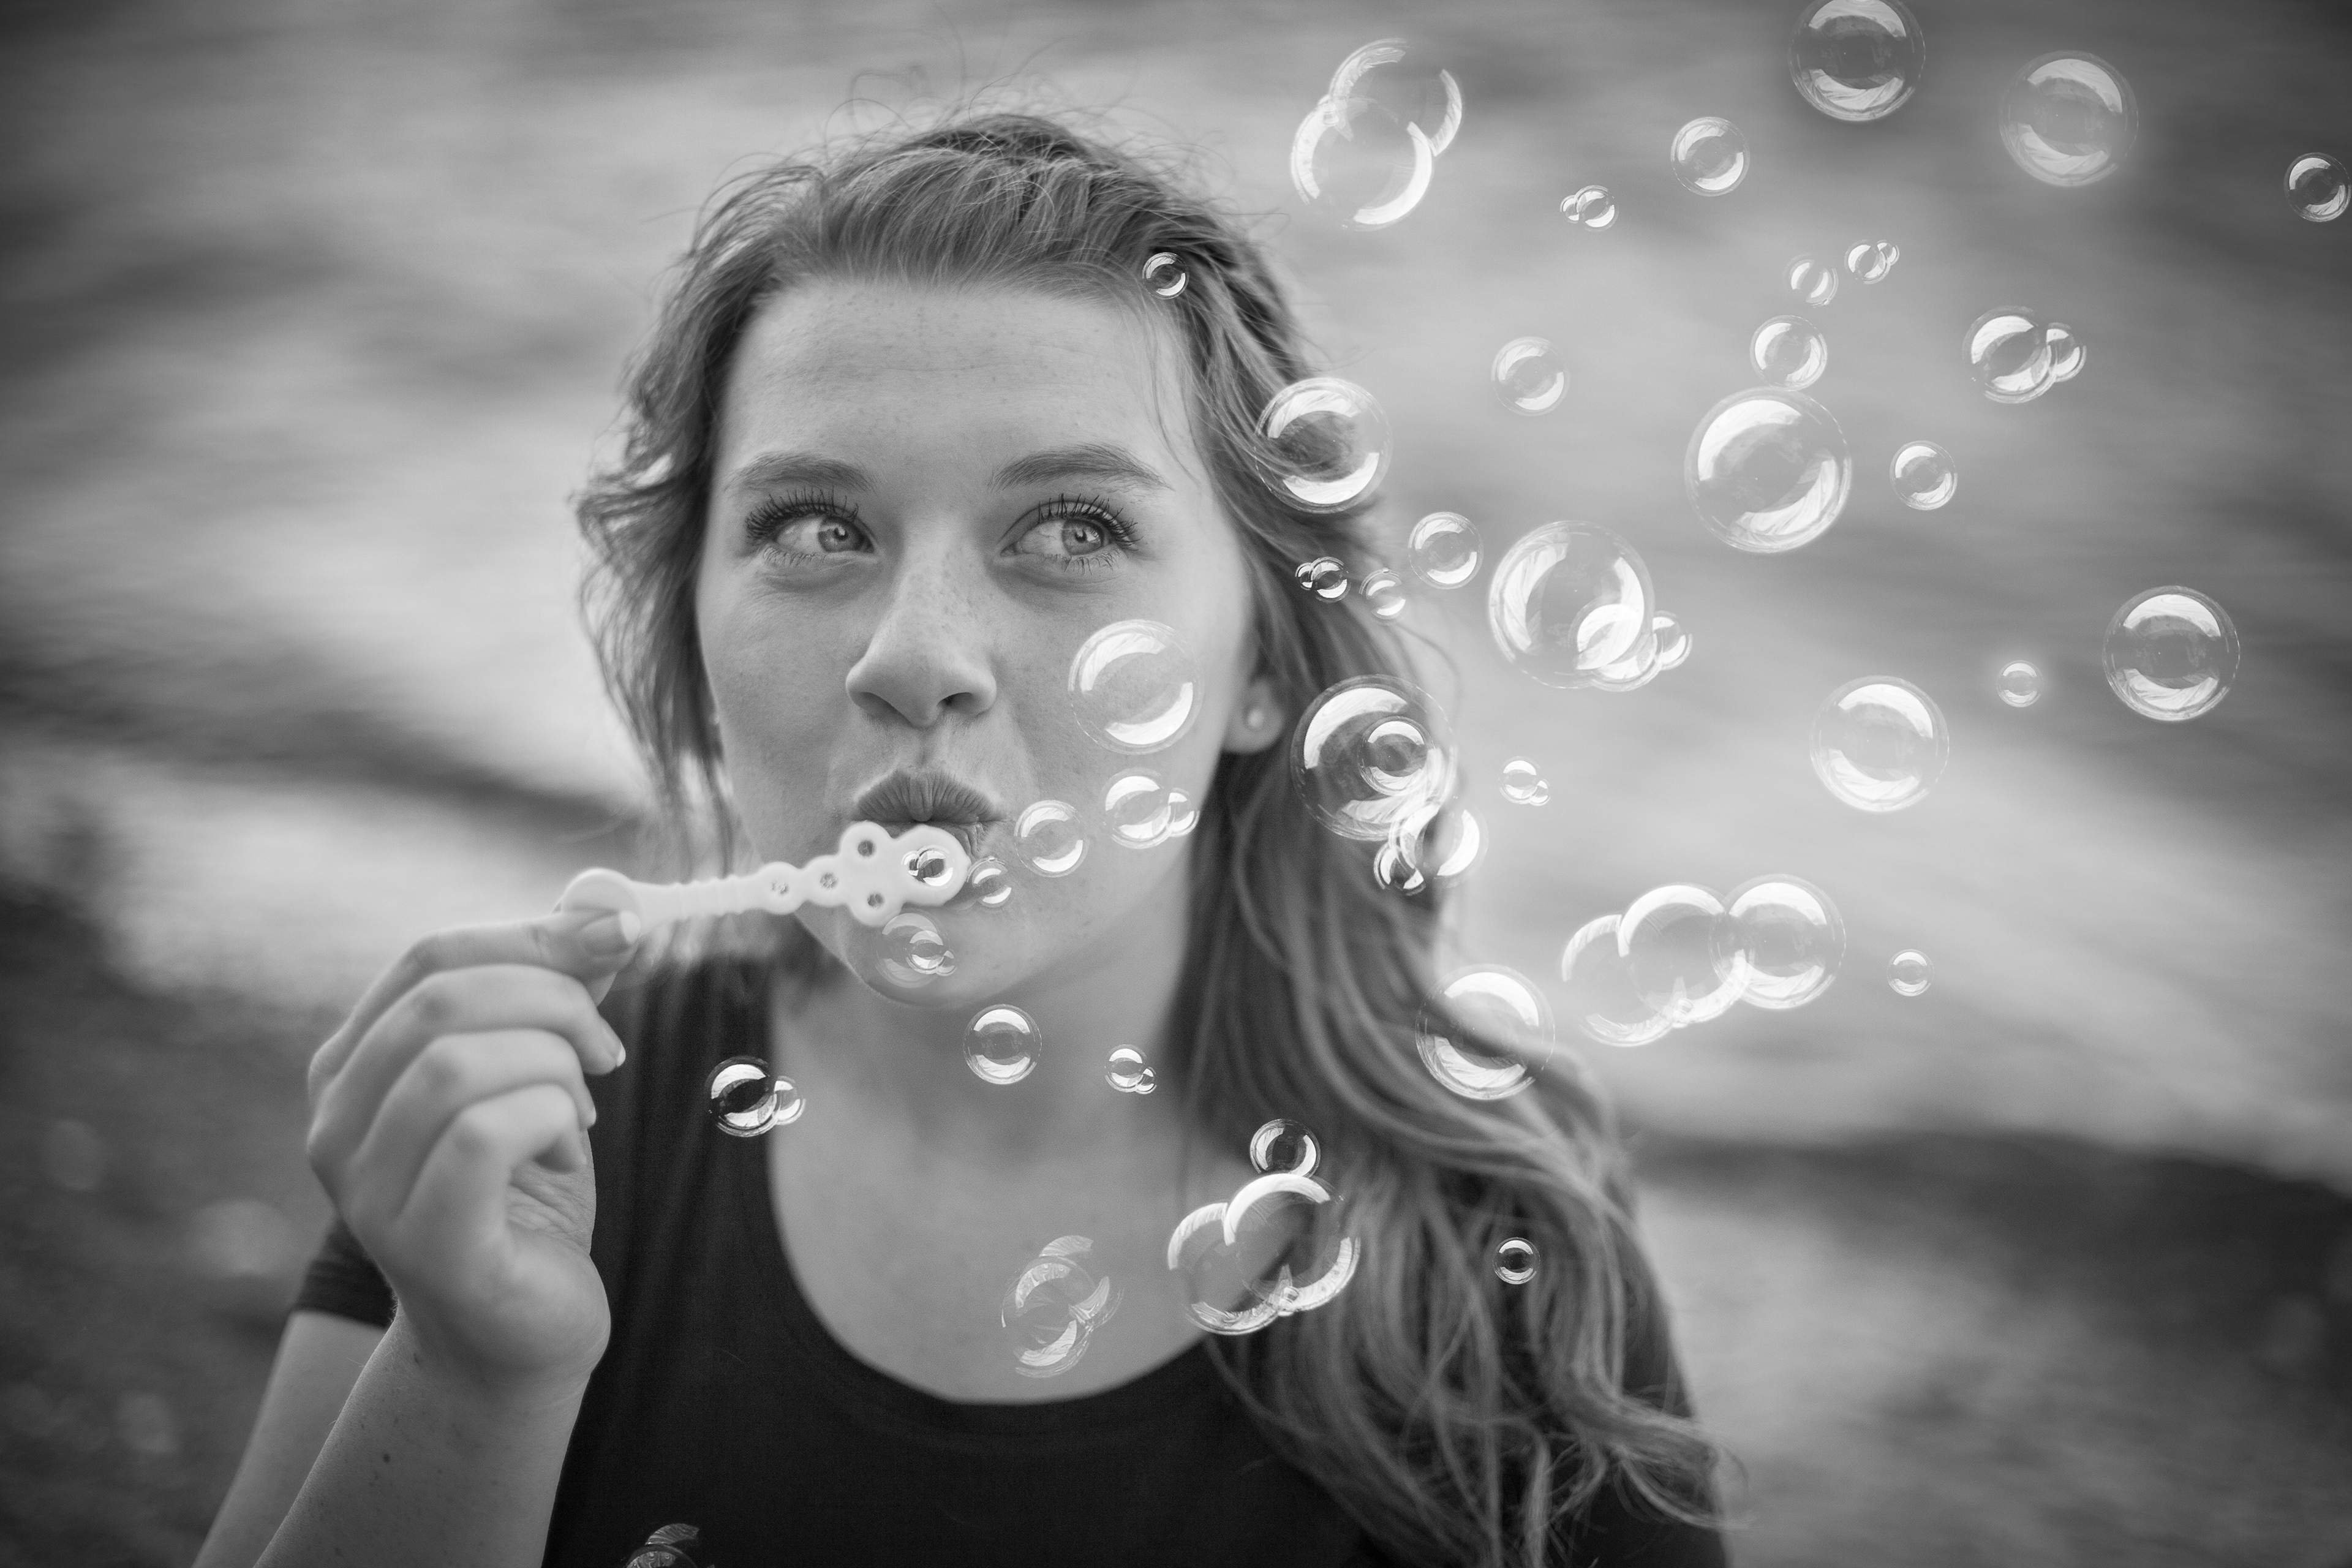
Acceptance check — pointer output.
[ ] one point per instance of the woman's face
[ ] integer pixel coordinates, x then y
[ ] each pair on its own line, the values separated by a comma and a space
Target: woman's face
924, 502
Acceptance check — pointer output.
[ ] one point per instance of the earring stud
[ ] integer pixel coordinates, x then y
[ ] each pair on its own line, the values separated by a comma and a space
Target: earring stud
1253, 716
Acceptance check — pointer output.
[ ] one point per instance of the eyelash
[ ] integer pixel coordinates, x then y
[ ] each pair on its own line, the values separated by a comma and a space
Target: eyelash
767, 519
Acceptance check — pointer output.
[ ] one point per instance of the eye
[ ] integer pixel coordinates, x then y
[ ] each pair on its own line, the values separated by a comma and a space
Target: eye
1076, 535
805, 528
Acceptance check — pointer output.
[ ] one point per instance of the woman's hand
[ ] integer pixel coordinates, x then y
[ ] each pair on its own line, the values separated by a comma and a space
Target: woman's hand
448, 1121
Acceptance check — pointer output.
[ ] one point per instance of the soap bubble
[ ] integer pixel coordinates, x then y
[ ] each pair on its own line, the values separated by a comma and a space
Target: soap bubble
1783, 939
1384, 593
1592, 207
1216, 1295
1673, 640
2068, 352
747, 1100
1134, 687
1358, 162
2068, 119
1443, 549
1709, 156
1814, 283
1523, 782
1047, 837
1923, 475
1870, 263
1908, 972
1283, 1145
1183, 815
2009, 355
1636, 670
1668, 940
2021, 684
2317, 187
1053, 1307
1137, 809
1327, 442
1397, 76
1601, 1000
1568, 601
1126, 1072
1857, 59
1528, 376
1370, 756
2172, 654
913, 951
1325, 577
1287, 1234
1880, 743
1000, 1044
987, 886
1164, 275
1487, 1033
1768, 470
1514, 1260
1434, 844
1789, 351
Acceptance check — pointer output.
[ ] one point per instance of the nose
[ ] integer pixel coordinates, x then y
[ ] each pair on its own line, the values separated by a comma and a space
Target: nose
927, 659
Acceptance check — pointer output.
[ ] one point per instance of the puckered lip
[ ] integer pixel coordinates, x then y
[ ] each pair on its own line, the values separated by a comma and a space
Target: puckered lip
905, 796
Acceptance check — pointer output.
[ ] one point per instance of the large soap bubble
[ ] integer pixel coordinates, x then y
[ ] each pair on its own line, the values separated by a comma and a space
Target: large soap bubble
1788, 351
1709, 156
1443, 549
1669, 939
1134, 688
1369, 757
1400, 76
1783, 939
1570, 601
1856, 59
1530, 376
1357, 162
1879, 743
1327, 442
1924, 476
2008, 354
1767, 469
2069, 119
2172, 654
1487, 1033
1601, 1000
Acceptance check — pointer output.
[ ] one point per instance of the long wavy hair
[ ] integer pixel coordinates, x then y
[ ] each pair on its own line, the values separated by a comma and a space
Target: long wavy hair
1460, 1419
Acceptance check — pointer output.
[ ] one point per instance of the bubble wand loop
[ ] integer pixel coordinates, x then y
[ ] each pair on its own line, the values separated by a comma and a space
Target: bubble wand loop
872, 875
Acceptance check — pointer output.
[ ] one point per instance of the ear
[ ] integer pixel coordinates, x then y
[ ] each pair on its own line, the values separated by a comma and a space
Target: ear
1257, 720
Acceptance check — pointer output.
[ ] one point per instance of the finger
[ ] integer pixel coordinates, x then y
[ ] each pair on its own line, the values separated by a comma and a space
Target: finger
452, 1073
457, 1211
455, 1001
590, 945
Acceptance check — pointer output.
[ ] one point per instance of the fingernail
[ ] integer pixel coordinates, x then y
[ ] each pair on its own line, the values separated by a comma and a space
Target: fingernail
616, 932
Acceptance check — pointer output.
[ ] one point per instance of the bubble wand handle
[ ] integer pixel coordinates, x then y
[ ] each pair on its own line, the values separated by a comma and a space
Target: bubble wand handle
872, 875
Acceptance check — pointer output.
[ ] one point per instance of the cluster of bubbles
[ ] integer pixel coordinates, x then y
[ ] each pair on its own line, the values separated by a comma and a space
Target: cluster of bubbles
1126, 1071
1367, 151
1524, 783
1372, 758
1684, 955
1278, 1247
2015, 354
1054, 1306
1880, 743
745, 1099
1590, 207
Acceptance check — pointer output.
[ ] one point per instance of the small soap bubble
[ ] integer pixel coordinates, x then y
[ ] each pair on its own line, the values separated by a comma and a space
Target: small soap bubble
987, 886
1284, 1146
1053, 1307
1590, 207
1487, 1033
1137, 810
1134, 687
1880, 743
1443, 549
2068, 352
1908, 972
2021, 684
1768, 470
1183, 815
1370, 756
1856, 59
1514, 1260
1001, 1044
1326, 442
1164, 275
1438, 844
1126, 1072
2068, 119
1325, 577
1400, 77
1789, 351
1569, 600
2009, 355
1048, 840
1528, 376
2318, 188
1354, 160
1923, 475
1673, 640
1523, 782
747, 1100
2172, 654
1709, 156
1784, 940
913, 951
1384, 593
1670, 941
1813, 282
1870, 263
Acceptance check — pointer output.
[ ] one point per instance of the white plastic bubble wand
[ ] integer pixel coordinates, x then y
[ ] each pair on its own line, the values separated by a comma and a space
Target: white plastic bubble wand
872, 875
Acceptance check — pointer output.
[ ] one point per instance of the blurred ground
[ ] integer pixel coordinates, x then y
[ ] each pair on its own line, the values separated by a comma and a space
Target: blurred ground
312, 319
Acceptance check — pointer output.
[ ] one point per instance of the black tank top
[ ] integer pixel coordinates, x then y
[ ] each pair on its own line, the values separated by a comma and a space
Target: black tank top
723, 1402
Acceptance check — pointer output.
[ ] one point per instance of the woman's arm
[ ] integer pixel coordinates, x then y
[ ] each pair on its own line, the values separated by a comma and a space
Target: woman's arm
320, 1359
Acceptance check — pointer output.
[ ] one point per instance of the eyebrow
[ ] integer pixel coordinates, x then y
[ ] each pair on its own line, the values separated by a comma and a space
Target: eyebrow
787, 471
1097, 460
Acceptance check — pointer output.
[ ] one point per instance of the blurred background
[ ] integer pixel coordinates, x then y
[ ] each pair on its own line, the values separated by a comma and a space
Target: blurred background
314, 316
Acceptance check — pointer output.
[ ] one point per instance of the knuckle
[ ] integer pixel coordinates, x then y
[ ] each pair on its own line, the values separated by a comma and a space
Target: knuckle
441, 1068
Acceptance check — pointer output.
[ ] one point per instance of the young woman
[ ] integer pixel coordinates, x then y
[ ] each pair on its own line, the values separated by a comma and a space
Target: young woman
913, 424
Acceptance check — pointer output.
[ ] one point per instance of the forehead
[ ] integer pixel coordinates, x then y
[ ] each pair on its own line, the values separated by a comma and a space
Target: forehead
853, 365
